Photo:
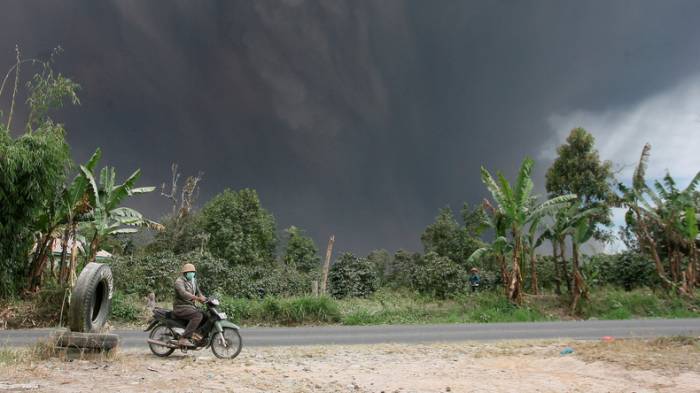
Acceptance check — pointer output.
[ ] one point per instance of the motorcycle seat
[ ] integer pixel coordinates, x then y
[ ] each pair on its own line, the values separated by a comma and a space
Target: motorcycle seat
164, 313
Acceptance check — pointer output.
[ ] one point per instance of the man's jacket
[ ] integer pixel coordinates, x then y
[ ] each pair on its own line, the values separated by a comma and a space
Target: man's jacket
185, 293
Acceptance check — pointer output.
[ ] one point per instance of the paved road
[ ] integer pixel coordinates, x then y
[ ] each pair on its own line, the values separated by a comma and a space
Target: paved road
256, 337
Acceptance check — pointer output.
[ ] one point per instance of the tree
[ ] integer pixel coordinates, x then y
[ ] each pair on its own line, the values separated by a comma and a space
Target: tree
32, 168
179, 235
382, 262
240, 229
300, 251
447, 238
107, 216
59, 220
578, 170
580, 232
442, 236
182, 230
515, 210
351, 276
664, 221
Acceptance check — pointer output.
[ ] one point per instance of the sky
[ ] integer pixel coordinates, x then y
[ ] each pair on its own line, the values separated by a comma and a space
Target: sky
363, 118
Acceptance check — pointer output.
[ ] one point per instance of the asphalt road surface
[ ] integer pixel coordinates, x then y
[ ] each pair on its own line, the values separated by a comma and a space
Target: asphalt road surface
328, 335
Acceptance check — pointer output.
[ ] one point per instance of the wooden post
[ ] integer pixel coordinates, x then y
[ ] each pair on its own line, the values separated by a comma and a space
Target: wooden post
326, 265
314, 288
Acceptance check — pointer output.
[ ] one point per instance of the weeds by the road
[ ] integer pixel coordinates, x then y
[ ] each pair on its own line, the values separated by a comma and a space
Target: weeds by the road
45, 349
406, 307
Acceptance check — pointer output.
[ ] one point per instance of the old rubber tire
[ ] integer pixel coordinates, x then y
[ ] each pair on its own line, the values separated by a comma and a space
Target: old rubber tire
101, 341
91, 300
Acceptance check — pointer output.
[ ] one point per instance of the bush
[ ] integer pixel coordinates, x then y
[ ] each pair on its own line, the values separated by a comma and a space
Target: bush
150, 273
399, 272
351, 276
156, 273
286, 311
627, 269
439, 276
609, 303
126, 307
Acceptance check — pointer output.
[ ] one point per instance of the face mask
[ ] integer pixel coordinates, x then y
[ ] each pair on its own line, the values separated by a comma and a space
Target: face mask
189, 275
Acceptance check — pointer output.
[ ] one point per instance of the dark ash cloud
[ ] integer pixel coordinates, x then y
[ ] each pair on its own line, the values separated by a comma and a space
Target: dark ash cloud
359, 118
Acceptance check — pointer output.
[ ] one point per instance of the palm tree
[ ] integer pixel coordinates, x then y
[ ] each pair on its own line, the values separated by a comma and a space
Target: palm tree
516, 210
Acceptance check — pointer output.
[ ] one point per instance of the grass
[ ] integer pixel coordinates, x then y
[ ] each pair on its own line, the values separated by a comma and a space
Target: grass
641, 303
387, 307
407, 307
282, 311
45, 349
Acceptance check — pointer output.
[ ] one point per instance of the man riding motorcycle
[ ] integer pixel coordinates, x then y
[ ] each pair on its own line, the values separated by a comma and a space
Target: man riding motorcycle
186, 293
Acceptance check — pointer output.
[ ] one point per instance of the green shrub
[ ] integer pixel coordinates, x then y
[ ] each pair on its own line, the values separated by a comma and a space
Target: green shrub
627, 269
439, 276
284, 311
608, 303
151, 273
351, 276
126, 307
399, 272
157, 272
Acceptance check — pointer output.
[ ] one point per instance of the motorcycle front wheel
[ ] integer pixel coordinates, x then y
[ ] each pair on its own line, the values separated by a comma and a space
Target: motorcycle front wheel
164, 334
227, 344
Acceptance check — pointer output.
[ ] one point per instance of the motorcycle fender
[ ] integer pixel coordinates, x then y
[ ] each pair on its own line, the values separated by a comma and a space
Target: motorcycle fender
151, 325
220, 325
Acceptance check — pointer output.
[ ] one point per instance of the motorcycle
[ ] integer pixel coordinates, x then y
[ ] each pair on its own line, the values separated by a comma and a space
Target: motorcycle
215, 330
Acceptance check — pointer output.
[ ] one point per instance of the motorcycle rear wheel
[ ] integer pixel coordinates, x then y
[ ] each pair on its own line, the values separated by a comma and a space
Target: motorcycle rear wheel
165, 334
233, 346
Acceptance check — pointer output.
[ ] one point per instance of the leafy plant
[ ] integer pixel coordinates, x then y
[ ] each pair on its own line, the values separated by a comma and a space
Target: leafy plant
107, 216
514, 210
664, 220
351, 276
300, 251
32, 170
439, 276
241, 230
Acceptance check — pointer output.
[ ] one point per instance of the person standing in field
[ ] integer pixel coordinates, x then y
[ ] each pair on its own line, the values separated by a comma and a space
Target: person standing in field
474, 279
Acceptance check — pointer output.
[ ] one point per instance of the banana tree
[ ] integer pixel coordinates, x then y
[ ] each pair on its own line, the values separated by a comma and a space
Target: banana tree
498, 249
532, 244
76, 206
565, 223
660, 219
514, 205
690, 230
58, 222
106, 216
580, 232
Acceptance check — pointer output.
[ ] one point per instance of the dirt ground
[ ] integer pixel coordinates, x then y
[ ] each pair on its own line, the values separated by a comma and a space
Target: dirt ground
665, 365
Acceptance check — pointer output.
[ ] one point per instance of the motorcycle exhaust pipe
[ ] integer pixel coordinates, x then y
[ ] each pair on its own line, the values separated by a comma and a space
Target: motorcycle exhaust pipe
152, 341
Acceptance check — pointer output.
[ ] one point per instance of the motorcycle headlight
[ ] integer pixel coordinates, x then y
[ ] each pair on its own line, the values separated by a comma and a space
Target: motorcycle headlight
222, 315
214, 302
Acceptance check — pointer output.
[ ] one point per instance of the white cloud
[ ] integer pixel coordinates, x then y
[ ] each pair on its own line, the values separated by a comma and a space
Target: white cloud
670, 121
